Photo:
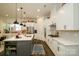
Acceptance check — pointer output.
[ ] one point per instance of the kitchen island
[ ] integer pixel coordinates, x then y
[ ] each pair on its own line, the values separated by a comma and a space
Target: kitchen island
21, 46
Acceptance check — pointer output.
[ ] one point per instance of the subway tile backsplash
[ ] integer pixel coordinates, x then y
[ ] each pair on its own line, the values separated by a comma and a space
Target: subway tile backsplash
69, 35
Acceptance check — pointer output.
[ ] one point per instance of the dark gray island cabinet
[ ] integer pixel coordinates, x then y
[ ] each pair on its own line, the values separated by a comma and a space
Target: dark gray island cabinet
18, 48
24, 48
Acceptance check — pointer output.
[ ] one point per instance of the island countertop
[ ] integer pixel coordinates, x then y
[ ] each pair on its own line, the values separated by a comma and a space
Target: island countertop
22, 38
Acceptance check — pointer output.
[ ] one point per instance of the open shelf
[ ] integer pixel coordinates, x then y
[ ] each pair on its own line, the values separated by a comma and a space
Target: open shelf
10, 49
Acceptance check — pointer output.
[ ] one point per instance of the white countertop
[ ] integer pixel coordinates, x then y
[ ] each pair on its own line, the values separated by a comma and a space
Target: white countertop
64, 41
23, 38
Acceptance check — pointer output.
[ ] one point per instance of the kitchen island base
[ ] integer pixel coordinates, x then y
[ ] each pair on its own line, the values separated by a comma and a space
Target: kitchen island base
18, 48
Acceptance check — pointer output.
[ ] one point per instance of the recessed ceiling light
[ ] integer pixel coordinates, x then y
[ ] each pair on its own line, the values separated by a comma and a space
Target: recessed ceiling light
18, 9
7, 15
37, 16
61, 11
27, 16
38, 10
32, 17
24, 15
54, 17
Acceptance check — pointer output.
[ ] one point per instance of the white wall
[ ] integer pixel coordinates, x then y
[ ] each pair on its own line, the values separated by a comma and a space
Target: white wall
11, 20
7, 20
2, 24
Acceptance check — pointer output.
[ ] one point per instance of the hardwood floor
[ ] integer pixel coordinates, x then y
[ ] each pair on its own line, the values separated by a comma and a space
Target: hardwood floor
46, 48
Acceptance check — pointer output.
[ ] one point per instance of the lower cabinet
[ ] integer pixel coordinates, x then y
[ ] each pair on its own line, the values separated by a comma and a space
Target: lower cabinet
18, 48
63, 50
10, 48
24, 48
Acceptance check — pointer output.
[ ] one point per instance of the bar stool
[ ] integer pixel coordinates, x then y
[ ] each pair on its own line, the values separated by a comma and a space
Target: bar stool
1, 40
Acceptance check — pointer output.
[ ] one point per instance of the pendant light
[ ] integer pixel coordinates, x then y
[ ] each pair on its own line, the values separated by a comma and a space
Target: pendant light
24, 18
16, 22
24, 25
21, 16
21, 23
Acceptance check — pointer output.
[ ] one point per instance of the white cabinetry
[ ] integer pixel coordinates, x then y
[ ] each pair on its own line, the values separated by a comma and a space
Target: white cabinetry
62, 49
57, 49
67, 18
53, 45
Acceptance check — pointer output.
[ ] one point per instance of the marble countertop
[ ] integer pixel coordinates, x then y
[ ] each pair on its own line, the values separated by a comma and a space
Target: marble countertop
66, 41
22, 38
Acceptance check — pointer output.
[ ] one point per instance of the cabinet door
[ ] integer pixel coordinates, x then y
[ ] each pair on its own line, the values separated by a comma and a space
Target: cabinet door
55, 45
10, 48
24, 48
64, 18
61, 50
76, 16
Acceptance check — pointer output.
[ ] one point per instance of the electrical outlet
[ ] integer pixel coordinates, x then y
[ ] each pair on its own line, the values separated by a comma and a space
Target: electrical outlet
64, 26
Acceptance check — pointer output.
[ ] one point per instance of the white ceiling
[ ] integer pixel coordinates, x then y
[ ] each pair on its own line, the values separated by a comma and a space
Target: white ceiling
29, 8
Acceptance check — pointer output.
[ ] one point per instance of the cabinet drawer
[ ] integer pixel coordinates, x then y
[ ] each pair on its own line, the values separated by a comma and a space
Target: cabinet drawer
24, 42
11, 43
24, 48
61, 50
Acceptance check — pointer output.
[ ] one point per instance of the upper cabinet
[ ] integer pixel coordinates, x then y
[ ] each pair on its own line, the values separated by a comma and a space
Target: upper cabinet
67, 18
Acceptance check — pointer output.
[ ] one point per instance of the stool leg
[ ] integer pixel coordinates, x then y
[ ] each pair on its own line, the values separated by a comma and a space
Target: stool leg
0, 43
